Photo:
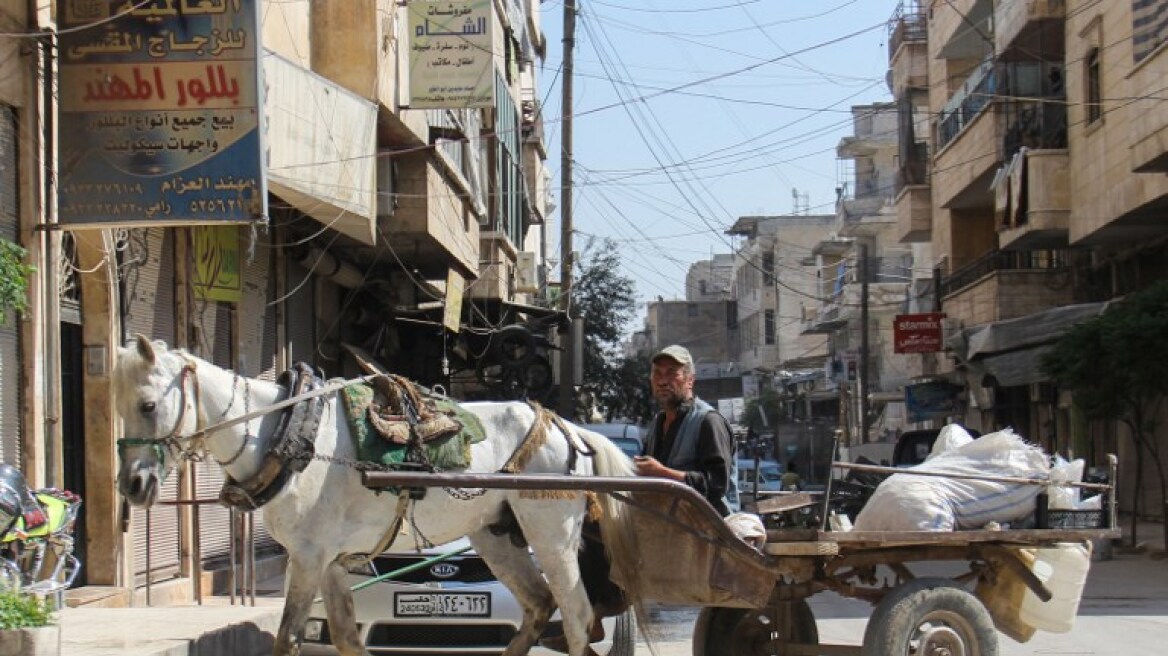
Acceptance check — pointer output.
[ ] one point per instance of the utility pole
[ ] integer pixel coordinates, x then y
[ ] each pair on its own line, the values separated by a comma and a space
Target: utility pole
567, 401
863, 344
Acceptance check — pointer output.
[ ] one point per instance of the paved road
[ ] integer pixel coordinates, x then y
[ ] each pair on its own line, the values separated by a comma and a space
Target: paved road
1124, 611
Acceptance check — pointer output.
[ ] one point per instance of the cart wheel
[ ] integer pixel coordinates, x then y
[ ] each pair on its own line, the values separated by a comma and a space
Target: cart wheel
749, 632
930, 617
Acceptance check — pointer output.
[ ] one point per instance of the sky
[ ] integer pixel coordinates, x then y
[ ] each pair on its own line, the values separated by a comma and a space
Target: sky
692, 113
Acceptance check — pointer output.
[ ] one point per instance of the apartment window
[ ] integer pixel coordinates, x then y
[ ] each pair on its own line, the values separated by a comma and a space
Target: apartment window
691, 309
702, 287
769, 327
1094, 87
768, 269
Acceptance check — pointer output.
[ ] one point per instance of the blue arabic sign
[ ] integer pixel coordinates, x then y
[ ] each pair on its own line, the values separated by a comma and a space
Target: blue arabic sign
160, 113
933, 400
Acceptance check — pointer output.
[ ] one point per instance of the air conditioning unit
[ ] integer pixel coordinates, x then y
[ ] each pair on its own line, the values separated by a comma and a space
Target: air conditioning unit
526, 278
385, 201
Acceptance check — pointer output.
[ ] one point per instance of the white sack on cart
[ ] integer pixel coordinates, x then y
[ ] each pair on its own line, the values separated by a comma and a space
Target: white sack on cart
904, 502
749, 528
952, 436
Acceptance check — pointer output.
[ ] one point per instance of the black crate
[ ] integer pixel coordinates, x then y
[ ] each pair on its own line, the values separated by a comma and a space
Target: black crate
1074, 519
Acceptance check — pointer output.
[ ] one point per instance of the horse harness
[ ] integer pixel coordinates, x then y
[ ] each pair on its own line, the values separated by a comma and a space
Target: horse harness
293, 447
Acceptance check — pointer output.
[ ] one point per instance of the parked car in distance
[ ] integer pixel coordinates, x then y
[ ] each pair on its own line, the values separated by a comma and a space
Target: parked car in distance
451, 607
912, 447
770, 474
629, 437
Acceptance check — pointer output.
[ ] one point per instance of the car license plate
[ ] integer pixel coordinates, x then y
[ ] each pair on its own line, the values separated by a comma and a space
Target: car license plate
442, 604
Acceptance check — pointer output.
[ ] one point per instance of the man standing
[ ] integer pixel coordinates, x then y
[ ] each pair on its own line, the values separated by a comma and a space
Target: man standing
688, 441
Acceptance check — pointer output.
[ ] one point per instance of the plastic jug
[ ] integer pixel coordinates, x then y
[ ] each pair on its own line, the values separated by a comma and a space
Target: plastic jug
1064, 571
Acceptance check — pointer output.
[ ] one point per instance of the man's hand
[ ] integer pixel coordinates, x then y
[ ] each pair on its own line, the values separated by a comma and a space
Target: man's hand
649, 466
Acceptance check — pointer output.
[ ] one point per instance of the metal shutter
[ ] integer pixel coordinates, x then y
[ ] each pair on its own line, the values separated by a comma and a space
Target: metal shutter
10, 365
147, 269
213, 321
257, 323
299, 316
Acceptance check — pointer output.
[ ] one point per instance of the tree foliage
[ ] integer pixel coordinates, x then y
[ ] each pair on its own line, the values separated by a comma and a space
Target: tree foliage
14, 275
607, 301
1114, 365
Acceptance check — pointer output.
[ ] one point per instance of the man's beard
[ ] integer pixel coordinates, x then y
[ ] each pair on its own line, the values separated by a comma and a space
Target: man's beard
671, 399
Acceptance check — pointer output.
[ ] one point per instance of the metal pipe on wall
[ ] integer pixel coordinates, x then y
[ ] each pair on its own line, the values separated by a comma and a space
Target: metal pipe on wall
51, 243
329, 266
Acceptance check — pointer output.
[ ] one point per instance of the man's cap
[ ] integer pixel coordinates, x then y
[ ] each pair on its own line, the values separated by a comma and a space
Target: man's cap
678, 354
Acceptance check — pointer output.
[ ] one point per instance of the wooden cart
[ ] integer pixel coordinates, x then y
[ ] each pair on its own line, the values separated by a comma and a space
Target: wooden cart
755, 603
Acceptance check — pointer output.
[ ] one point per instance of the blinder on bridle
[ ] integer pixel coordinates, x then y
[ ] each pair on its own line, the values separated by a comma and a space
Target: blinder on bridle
159, 445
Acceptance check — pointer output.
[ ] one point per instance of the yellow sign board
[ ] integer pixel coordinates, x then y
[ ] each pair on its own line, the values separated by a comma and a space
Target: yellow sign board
217, 273
455, 284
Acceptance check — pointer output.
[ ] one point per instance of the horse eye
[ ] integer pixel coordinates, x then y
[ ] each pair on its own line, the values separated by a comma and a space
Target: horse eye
147, 407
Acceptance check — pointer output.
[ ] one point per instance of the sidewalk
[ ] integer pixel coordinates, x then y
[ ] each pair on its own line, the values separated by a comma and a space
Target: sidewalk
1126, 596
213, 629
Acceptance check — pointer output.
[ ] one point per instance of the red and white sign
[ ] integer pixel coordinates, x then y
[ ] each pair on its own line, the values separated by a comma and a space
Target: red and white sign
917, 333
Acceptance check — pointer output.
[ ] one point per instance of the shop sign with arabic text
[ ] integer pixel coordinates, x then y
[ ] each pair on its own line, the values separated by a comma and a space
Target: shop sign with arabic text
160, 113
451, 54
917, 333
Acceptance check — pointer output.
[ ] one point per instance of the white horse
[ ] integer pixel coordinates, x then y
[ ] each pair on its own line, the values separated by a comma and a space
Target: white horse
325, 511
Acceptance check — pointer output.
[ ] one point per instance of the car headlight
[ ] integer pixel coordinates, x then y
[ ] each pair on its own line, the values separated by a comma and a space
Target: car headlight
313, 630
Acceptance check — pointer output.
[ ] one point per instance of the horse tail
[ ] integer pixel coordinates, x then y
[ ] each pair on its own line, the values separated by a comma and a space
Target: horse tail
617, 522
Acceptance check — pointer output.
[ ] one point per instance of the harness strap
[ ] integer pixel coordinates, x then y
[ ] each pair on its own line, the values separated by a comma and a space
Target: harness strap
386, 540
253, 493
534, 439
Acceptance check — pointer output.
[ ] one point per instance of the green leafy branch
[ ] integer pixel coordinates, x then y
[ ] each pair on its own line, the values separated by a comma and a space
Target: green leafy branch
14, 275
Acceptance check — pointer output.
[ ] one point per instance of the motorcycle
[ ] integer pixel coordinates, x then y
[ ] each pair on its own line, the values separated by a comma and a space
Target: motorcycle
36, 536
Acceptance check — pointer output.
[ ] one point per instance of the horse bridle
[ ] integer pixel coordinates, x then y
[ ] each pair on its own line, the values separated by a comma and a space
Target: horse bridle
172, 440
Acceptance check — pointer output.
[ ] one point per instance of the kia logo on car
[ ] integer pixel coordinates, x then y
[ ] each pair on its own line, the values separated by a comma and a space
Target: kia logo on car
444, 570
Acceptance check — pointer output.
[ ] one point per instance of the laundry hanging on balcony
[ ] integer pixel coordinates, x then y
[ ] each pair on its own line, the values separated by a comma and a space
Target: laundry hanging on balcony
1009, 188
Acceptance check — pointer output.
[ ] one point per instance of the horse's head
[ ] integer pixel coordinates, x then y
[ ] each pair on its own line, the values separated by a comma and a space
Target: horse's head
155, 394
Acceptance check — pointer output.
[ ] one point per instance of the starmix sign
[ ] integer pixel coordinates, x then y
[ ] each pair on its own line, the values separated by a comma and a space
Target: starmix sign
917, 333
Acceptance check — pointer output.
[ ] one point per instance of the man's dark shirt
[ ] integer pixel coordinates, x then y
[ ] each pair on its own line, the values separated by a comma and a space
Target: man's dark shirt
713, 455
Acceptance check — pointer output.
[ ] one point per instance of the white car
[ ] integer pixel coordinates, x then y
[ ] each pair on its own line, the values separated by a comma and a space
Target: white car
450, 607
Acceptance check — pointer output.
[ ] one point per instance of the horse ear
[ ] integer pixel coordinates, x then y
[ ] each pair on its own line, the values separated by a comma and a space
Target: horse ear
145, 348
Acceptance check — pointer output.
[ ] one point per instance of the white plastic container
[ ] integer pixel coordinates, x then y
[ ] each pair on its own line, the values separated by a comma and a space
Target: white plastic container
1064, 571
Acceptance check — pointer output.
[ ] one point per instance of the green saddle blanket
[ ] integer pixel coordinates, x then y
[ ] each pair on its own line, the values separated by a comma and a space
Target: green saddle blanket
449, 451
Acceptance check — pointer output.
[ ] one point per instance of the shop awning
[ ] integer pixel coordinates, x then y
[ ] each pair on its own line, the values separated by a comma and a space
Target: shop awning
1011, 351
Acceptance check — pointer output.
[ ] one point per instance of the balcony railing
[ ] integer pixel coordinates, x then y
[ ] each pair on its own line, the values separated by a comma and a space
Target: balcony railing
1042, 260
908, 23
1022, 85
1035, 124
967, 103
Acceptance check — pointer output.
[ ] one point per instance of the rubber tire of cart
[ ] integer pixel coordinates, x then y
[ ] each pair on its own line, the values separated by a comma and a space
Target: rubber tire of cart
728, 631
624, 636
952, 613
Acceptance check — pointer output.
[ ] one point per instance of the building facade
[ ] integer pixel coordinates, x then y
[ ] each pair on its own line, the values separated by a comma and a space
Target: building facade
411, 235
1032, 165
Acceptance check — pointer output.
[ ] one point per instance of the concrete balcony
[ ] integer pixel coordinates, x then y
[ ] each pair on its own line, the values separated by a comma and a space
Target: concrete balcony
914, 214
1007, 284
908, 47
1024, 26
1148, 119
1043, 220
965, 165
960, 28
432, 227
